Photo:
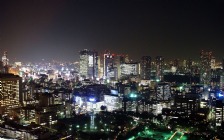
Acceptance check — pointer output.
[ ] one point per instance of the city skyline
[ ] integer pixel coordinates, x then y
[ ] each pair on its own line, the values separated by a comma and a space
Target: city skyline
36, 30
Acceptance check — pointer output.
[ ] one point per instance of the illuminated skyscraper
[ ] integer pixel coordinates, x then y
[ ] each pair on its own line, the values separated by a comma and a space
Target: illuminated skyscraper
159, 67
146, 67
163, 92
88, 64
108, 65
118, 61
219, 113
205, 67
186, 103
129, 69
5, 62
10, 92
213, 63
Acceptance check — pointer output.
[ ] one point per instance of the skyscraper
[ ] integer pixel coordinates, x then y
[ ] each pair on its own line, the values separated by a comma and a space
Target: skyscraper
213, 63
109, 69
163, 91
5, 62
88, 64
129, 69
10, 92
159, 67
145, 67
189, 65
205, 67
118, 61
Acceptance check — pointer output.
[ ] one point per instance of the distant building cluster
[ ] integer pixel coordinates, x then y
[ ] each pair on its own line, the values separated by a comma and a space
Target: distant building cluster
107, 65
35, 98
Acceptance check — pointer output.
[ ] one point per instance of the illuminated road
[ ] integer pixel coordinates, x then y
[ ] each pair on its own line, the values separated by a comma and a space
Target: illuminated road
181, 136
173, 135
177, 135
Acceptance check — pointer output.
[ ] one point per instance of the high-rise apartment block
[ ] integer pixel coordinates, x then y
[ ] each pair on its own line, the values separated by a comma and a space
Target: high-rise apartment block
159, 67
145, 67
129, 69
219, 113
163, 92
187, 103
205, 67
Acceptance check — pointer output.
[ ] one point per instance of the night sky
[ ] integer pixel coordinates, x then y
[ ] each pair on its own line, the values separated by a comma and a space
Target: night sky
32, 30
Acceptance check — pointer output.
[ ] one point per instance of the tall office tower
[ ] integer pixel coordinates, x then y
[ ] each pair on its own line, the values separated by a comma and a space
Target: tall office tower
88, 64
205, 67
5, 62
109, 70
219, 113
10, 92
159, 67
213, 63
118, 61
163, 92
189, 65
186, 103
100, 67
128, 69
145, 65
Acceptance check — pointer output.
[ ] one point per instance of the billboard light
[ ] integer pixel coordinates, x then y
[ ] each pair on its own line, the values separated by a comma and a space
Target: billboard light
92, 99
220, 95
132, 95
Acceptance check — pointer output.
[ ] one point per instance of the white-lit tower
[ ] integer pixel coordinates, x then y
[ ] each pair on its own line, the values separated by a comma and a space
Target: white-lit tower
159, 68
108, 65
88, 64
5, 60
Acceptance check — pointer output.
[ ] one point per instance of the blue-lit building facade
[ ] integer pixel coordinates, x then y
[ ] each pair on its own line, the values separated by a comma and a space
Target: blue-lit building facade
91, 98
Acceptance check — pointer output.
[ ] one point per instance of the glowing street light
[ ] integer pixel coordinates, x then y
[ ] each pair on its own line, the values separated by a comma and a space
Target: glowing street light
181, 88
132, 95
